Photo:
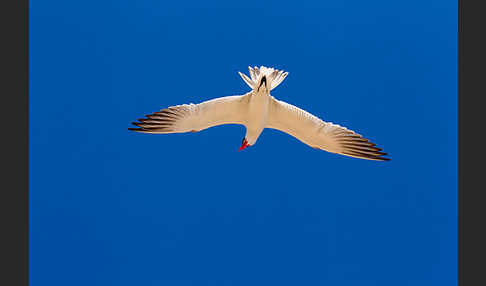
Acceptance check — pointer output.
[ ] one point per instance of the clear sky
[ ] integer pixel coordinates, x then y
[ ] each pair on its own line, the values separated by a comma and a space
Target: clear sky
113, 207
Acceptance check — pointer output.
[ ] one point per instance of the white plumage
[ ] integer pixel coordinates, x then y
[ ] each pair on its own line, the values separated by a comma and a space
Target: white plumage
257, 110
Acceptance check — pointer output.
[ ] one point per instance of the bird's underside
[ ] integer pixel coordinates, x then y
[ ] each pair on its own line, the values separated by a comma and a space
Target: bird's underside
281, 116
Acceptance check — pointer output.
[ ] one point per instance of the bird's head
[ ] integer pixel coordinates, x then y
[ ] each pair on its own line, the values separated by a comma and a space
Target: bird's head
244, 144
250, 139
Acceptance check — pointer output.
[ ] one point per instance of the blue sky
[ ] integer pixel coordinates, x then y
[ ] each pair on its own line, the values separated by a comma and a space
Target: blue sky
113, 207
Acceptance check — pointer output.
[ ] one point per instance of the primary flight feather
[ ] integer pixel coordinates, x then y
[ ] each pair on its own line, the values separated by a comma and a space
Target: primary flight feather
257, 110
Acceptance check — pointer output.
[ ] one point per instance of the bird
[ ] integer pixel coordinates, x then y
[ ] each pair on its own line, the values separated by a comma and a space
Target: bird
257, 110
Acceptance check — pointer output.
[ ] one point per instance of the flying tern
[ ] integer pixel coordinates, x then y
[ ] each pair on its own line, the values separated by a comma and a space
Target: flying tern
257, 110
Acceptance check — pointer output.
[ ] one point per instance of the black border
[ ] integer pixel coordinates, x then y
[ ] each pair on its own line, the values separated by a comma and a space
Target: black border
471, 91
471, 88
14, 198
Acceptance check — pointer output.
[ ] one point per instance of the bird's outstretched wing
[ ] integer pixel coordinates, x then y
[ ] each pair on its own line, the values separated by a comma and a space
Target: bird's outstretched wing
319, 134
195, 117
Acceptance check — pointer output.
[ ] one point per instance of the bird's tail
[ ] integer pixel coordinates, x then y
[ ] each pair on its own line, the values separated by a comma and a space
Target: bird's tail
274, 76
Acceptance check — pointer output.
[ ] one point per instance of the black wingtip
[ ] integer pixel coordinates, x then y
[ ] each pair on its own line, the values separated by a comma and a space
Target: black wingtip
383, 158
378, 156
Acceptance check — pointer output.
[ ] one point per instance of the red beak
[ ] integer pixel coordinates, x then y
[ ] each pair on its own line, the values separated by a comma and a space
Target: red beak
244, 145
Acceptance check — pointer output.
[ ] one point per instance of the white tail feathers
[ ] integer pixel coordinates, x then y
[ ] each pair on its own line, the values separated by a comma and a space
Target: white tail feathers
248, 81
274, 76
